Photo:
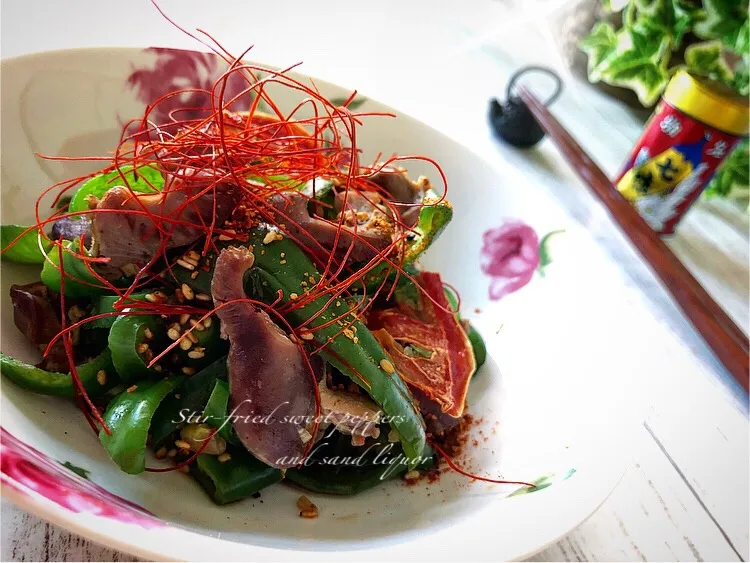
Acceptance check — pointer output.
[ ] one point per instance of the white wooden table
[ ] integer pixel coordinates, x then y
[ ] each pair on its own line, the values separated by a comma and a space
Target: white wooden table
685, 495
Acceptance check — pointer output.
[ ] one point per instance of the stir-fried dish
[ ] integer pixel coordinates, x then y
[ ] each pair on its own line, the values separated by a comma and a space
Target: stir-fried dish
237, 292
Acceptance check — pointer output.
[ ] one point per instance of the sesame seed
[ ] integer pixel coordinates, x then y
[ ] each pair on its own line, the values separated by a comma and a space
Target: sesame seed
355, 339
202, 297
148, 334
207, 322
187, 291
282, 261
194, 275
194, 255
195, 355
224, 238
142, 348
197, 325
349, 334
283, 254
223, 458
101, 377
182, 444
186, 265
304, 503
176, 395
184, 318
412, 475
269, 238
173, 334
131, 388
338, 303
161, 453
293, 296
172, 453
305, 335
158, 368
387, 366
152, 298
192, 337
185, 344
190, 260
306, 507
188, 370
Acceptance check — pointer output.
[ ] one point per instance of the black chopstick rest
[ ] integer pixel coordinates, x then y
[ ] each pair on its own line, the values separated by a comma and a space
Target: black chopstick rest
512, 120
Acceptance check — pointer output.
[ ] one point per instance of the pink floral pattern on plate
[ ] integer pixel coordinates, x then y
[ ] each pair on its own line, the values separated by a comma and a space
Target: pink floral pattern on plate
510, 256
191, 72
25, 469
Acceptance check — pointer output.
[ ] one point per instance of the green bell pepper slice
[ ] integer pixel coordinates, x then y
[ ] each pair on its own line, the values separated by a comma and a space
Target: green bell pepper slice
194, 393
61, 384
128, 332
128, 417
360, 361
106, 304
75, 269
216, 412
26, 249
235, 479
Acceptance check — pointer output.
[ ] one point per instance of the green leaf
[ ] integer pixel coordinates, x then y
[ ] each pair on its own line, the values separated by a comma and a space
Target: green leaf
545, 259
80, 471
732, 180
685, 15
26, 249
707, 59
658, 15
639, 62
742, 76
543, 482
742, 45
598, 45
724, 20
139, 180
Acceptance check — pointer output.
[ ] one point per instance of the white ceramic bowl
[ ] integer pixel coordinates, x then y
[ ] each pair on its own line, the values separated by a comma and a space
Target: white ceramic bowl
543, 402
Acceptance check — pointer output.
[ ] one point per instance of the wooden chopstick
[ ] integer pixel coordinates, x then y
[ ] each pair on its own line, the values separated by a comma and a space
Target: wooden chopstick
724, 337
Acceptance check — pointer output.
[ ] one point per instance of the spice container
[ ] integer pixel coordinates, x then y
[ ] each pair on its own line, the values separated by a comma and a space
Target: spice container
696, 125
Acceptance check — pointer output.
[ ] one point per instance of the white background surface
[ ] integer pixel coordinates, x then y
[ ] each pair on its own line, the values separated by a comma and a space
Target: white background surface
685, 495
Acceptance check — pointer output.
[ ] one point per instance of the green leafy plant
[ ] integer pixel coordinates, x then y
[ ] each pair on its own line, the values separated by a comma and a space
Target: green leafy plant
656, 38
